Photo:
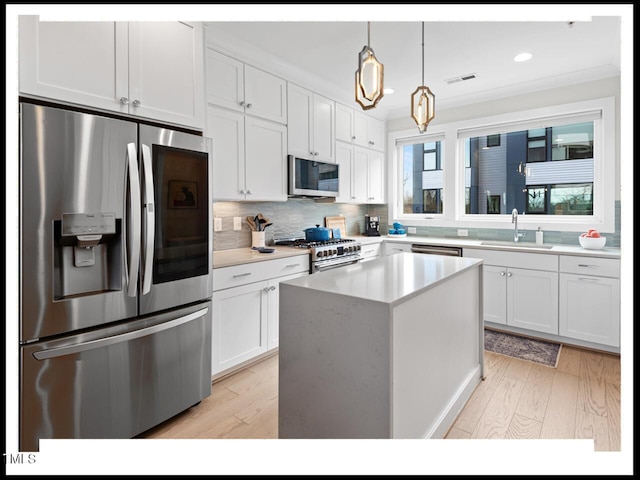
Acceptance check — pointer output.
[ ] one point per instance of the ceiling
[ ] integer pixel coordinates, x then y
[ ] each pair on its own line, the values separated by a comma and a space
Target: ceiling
564, 53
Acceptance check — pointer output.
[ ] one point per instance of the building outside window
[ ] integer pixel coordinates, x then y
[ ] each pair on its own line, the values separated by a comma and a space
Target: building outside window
422, 181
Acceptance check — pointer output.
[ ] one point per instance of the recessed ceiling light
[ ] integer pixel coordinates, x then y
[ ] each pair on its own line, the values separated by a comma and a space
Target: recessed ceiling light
388, 91
522, 57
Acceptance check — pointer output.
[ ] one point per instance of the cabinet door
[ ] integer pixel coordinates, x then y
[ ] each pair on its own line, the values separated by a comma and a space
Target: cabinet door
323, 129
495, 294
375, 129
265, 95
84, 63
265, 160
344, 158
166, 72
532, 300
300, 106
590, 308
239, 329
368, 131
226, 128
273, 299
344, 123
225, 81
359, 175
375, 178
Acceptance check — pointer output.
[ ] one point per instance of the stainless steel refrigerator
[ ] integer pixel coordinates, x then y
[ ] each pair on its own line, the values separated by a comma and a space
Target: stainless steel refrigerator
115, 274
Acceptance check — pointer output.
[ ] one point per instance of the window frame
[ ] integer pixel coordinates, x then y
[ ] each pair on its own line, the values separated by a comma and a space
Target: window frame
453, 190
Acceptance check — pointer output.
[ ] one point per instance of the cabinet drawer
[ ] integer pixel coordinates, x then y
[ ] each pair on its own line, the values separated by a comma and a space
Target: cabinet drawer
603, 267
227, 277
370, 250
534, 261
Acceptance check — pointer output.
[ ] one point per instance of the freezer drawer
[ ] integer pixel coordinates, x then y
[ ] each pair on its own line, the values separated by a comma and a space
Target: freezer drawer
115, 382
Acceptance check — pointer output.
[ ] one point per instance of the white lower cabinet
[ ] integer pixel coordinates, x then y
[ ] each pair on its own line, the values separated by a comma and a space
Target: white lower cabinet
520, 297
246, 310
590, 299
391, 248
370, 251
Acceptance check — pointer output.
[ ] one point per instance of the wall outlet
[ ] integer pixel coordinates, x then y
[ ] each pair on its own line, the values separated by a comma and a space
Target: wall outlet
411, 229
463, 232
237, 223
217, 224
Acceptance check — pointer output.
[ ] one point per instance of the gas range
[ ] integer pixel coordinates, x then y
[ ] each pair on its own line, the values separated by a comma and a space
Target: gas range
335, 252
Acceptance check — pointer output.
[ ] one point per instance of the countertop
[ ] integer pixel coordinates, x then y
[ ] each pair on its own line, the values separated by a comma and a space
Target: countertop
241, 256
507, 246
389, 279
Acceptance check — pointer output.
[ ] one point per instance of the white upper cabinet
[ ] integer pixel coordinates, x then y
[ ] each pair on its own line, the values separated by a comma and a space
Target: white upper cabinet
344, 123
249, 156
153, 70
310, 124
355, 127
368, 131
244, 88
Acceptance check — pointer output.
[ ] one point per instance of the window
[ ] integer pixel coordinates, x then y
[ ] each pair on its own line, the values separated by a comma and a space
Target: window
555, 164
422, 177
527, 164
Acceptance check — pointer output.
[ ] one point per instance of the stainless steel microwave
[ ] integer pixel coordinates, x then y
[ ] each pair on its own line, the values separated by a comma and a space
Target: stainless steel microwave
311, 178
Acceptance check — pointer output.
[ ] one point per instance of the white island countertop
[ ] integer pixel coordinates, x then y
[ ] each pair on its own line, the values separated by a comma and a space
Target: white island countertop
392, 279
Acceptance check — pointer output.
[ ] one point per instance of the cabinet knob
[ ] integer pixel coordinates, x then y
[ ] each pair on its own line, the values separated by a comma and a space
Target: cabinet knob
248, 192
241, 104
353, 138
502, 274
249, 105
371, 143
242, 192
124, 101
272, 288
509, 274
265, 289
136, 103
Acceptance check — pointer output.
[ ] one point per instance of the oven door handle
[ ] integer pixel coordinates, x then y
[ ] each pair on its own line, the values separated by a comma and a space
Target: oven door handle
331, 266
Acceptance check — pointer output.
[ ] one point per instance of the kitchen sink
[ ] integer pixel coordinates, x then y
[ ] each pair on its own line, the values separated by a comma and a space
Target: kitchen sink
497, 243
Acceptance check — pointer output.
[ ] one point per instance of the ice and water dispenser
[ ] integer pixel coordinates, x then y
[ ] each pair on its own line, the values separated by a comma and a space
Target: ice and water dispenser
88, 254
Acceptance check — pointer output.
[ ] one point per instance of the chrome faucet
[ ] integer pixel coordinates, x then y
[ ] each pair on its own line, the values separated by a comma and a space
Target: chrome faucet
514, 219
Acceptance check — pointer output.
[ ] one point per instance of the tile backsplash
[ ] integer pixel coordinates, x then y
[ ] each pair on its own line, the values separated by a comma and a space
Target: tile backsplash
290, 219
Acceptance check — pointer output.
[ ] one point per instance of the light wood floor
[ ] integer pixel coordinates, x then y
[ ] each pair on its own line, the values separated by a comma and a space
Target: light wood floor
518, 399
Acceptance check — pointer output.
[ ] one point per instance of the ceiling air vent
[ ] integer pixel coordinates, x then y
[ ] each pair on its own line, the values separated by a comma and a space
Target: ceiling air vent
461, 78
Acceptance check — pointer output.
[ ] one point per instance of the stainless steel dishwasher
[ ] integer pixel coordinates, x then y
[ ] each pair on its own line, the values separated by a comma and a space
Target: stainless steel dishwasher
436, 250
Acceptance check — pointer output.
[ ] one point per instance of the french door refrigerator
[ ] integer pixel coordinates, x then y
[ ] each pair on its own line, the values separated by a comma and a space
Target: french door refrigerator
116, 274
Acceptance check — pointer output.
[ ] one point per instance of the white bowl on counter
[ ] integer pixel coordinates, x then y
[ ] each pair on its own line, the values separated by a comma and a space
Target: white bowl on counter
592, 243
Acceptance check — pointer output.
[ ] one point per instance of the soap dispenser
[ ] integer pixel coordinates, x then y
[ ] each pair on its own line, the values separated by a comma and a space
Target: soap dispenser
539, 234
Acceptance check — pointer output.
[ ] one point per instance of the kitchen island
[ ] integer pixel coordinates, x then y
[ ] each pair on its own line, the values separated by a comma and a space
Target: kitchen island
391, 348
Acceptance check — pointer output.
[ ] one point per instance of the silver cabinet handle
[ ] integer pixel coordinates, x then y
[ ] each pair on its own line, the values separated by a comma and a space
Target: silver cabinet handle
133, 239
586, 265
586, 279
353, 138
509, 274
248, 192
149, 220
265, 289
124, 101
136, 103
241, 103
242, 192
249, 105
502, 274
272, 288
125, 337
242, 274
291, 265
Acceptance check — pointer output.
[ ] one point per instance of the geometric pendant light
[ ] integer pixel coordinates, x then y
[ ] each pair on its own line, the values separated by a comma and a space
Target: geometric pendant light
369, 76
423, 101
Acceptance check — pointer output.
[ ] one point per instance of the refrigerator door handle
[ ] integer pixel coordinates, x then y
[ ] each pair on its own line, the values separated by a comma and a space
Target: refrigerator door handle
124, 337
150, 220
133, 262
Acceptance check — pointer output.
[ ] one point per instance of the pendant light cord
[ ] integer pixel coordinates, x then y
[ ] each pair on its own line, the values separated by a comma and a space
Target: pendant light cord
423, 53
368, 34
